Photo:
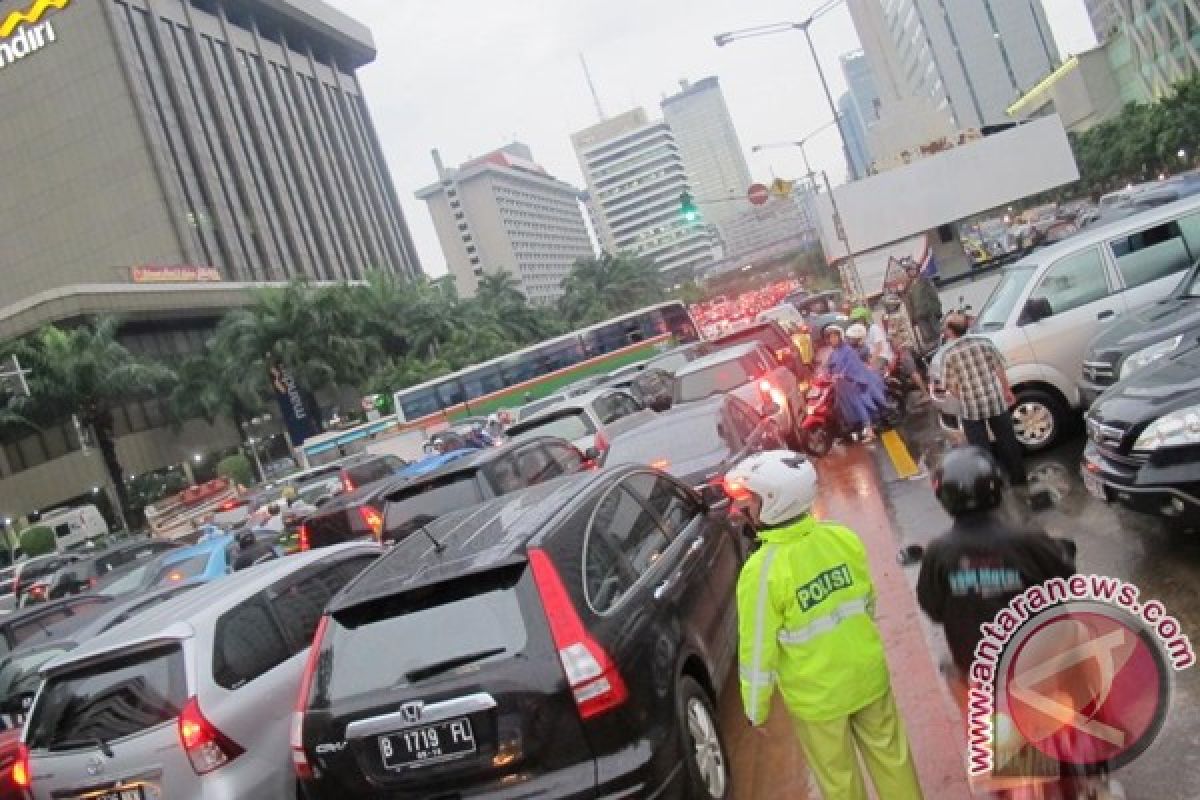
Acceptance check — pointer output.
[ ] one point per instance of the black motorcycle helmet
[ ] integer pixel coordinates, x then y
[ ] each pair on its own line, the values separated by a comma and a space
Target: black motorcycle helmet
967, 481
245, 540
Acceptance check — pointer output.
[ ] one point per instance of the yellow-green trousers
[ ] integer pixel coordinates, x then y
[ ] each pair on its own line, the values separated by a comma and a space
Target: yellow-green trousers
876, 731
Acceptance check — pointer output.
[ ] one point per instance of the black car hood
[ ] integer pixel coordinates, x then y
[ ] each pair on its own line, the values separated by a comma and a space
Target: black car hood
1145, 396
1140, 329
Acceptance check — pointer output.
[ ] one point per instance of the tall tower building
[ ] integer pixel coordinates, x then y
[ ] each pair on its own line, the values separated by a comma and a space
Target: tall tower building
856, 133
635, 176
712, 154
971, 57
1164, 34
857, 72
1104, 17
503, 212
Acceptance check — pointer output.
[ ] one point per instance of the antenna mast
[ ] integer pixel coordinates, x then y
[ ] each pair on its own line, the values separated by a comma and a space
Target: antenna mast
587, 73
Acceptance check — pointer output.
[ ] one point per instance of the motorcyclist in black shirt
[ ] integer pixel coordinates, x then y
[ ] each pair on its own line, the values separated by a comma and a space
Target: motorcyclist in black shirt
985, 560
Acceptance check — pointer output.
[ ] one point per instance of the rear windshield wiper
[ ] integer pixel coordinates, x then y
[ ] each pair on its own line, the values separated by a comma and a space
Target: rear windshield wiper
438, 667
76, 744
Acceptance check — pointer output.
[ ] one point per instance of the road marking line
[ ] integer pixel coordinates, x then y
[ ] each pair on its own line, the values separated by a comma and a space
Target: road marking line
898, 453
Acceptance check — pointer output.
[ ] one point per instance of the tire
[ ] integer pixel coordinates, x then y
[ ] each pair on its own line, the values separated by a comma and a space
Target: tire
817, 442
1039, 419
706, 760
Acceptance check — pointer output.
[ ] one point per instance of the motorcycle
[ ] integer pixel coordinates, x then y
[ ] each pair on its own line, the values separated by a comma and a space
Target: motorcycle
823, 425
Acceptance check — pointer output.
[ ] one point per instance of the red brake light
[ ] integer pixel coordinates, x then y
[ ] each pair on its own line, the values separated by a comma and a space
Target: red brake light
207, 748
595, 681
20, 768
231, 504
373, 520
305, 545
347, 483
296, 732
601, 441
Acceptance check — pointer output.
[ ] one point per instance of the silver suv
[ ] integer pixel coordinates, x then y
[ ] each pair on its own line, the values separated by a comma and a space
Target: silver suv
190, 699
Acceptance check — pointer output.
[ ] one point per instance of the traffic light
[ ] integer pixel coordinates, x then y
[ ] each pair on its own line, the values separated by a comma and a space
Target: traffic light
687, 207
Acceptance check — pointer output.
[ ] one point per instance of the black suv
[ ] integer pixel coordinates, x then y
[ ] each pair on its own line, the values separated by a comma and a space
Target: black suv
1143, 447
390, 510
568, 640
1137, 340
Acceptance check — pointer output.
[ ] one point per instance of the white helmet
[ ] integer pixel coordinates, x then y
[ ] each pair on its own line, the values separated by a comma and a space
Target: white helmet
785, 483
857, 332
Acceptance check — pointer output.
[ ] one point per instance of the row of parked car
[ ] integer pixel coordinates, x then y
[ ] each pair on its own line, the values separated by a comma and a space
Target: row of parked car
1108, 323
551, 614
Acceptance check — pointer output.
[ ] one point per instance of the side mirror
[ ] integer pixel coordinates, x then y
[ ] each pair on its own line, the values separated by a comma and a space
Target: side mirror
714, 496
1037, 309
910, 555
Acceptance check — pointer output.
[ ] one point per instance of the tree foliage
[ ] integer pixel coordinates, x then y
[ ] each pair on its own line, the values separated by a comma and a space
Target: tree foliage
37, 541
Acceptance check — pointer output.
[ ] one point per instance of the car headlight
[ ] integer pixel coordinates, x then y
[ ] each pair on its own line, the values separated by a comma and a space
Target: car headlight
1176, 429
1147, 356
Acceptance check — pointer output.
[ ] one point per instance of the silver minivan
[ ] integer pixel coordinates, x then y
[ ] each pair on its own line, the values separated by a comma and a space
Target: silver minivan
191, 699
1049, 305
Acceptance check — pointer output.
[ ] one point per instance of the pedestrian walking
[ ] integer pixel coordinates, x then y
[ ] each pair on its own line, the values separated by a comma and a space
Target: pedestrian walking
975, 373
806, 605
923, 304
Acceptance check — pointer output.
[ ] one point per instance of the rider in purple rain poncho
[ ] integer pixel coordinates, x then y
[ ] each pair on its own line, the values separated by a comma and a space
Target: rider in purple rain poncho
860, 396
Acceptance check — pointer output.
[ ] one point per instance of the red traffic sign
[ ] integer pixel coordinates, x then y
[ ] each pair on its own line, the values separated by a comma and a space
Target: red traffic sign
758, 194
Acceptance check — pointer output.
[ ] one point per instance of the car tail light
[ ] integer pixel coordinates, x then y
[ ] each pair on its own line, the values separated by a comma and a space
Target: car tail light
372, 519
661, 464
231, 504
347, 483
305, 544
21, 776
600, 442
300, 763
595, 681
207, 748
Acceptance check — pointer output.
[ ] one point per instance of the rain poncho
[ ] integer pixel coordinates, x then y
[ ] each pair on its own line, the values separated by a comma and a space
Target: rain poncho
860, 395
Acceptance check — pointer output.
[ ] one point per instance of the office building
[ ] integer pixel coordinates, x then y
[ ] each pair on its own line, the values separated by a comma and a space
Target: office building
161, 158
777, 227
861, 84
855, 133
712, 154
972, 58
1164, 36
635, 176
503, 212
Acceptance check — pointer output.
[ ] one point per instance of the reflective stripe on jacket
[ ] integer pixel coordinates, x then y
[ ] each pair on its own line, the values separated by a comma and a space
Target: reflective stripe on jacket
805, 624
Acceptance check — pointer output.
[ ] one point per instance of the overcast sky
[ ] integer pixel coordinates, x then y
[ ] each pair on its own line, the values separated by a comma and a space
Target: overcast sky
468, 76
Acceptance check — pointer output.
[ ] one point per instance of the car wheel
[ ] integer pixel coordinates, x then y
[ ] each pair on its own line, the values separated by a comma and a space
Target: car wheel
703, 746
1038, 419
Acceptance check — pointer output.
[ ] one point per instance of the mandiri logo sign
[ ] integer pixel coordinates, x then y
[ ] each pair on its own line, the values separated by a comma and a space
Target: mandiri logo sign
22, 32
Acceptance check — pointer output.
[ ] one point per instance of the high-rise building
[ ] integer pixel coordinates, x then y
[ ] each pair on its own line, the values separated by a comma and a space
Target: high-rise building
1164, 34
712, 154
855, 132
861, 83
504, 212
162, 159
636, 176
971, 57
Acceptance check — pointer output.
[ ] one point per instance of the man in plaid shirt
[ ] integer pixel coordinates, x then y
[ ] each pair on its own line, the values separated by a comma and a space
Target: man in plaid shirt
973, 371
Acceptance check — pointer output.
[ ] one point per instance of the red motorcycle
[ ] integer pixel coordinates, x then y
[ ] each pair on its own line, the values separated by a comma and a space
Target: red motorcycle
823, 425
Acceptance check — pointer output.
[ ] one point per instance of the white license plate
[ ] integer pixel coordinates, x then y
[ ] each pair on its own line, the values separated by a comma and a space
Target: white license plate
431, 744
1094, 486
134, 793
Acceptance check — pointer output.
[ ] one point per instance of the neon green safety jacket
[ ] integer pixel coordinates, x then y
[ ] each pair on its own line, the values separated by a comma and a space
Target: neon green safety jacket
806, 623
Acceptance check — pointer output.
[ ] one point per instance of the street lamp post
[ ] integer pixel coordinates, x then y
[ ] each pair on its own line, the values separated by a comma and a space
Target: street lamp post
837, 118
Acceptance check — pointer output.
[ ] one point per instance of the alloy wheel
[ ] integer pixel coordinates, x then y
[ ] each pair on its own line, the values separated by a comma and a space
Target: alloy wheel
710, 759
1033, 423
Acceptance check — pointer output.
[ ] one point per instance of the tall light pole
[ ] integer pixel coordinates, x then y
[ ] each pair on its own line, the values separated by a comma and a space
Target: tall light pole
723, 39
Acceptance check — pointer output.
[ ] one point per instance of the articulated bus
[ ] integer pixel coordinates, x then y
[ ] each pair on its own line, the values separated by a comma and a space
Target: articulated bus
513, 379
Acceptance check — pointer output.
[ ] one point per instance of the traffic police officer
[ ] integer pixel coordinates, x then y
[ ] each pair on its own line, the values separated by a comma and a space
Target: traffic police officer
805, 624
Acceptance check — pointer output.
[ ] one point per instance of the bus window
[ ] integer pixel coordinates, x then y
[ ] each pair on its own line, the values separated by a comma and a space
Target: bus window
450, 393
522, 369
606, 339
679, 323
414, 405
562, 355
483, 381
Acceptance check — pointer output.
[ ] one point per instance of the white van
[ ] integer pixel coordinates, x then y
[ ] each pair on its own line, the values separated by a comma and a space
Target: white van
1049, 305
74, 526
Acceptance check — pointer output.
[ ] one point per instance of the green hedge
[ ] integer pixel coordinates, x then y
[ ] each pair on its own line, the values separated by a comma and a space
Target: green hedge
38, 541
237, 468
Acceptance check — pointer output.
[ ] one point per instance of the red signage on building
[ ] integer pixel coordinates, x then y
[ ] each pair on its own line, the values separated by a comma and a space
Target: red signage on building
175, 274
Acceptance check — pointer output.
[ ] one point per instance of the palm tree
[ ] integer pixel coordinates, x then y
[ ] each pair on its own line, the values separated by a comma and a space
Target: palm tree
216, 385
85, 371
599, 288
500, 290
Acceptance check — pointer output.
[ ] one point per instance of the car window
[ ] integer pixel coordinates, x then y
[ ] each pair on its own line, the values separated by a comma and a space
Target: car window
723, 377
419, 505
109, 700
606, 575
1151, 254
631, 528
1074, 281
675, 507
370, 471
246, 644
569, 425
569, 459
299, 605
190, 567
668, 442
745, 421
535, 465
